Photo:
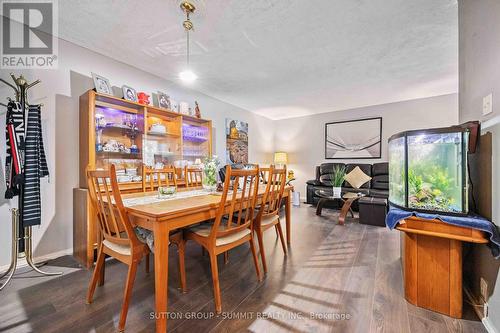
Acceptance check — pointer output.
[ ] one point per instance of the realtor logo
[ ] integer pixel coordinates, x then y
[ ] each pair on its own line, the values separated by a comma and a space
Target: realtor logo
29, 30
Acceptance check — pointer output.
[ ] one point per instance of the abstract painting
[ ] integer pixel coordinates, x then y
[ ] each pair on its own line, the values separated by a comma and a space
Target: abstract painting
236, 141
354, 139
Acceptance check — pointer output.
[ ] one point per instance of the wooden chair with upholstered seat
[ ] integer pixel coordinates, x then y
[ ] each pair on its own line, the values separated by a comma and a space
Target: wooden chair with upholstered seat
119, 238
264, 175
193, 176
268, 215
154, 178
227, 232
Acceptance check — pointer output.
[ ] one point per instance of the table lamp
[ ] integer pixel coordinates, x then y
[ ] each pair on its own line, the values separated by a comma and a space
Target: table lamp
280, 158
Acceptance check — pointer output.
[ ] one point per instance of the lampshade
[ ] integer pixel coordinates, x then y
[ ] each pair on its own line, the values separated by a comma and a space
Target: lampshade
280, 157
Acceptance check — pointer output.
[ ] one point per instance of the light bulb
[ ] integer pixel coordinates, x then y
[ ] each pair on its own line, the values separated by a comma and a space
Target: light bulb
187, 76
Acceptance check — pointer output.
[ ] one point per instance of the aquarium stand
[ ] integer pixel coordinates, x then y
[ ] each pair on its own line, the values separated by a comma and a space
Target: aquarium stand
432, 263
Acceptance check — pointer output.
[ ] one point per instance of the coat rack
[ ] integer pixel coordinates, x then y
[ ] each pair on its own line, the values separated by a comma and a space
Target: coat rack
22, 243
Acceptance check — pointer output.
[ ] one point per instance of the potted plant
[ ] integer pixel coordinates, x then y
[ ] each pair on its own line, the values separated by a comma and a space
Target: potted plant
337, 179
209, 176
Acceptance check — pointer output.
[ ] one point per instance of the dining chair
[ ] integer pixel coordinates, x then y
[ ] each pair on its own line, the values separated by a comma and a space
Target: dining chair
226, 233
268, 214
119, 238
193, 176
164, 177
264, 175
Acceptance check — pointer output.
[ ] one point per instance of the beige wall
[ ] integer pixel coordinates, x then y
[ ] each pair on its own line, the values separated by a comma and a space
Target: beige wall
304, 138
59, 92
479, 75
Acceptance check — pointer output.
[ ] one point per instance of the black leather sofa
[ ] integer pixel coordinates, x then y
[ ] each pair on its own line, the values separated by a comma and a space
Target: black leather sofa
377, 187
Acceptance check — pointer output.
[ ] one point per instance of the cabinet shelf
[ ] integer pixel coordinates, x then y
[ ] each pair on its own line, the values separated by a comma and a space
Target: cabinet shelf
117, 154
163, 135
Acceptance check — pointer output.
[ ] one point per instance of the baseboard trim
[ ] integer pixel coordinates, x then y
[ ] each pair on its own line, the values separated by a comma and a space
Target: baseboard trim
488, 325
21, 262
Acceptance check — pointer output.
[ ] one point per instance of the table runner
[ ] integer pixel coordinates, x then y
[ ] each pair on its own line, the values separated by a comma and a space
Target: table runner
153, 198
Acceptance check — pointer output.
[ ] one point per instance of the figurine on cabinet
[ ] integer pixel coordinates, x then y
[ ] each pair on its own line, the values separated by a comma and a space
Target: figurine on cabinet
197, 110
143, 98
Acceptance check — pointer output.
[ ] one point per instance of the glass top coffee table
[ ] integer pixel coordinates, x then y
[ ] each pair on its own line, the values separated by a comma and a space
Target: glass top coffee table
346, 200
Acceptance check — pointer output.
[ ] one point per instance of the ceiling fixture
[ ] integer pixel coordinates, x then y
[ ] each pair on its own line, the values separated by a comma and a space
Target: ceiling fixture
187, 75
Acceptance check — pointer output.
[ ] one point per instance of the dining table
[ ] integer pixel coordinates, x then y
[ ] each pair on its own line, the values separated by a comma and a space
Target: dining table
185, 208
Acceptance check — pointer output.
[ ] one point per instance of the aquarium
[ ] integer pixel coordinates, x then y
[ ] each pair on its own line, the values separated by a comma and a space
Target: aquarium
428, 170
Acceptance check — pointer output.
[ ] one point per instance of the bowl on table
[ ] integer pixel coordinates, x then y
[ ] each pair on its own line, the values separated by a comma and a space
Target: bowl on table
166, 191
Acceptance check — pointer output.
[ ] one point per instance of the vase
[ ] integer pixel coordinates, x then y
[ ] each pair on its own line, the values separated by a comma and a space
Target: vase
337, 191
209, 179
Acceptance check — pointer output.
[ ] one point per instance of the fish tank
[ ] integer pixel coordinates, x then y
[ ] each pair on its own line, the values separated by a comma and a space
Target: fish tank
428, 170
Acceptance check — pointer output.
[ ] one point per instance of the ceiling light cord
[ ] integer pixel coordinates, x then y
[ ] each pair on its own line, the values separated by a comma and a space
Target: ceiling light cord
187, 54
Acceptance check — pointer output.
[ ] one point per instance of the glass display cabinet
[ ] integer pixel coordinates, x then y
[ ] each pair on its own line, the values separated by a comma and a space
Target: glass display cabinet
428, 170
130, 135
162, 142
196, 135
118, 140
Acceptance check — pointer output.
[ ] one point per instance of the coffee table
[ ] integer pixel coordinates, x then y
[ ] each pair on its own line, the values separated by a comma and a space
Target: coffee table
346, 199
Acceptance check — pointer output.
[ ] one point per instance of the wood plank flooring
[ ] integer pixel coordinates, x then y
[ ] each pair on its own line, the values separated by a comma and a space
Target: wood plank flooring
335, 279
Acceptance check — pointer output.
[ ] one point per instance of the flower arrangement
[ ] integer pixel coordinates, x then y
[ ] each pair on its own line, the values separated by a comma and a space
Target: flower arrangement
210, 168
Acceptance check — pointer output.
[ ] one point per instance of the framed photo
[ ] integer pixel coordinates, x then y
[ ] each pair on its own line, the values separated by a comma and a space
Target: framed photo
163, 100
129, 93
102, 84
354, 139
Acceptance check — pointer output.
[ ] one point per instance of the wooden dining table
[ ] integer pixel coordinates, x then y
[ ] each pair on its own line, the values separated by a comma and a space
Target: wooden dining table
164, 216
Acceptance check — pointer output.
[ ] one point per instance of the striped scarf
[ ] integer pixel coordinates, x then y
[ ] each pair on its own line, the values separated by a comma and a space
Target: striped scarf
35, 167
15, 149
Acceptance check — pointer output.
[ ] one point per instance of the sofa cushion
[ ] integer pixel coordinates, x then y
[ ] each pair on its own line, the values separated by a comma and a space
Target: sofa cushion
327, 168
366, 168
365, 191
325, 180
380, 182
380, 169
384, 194
357, 178
313, 182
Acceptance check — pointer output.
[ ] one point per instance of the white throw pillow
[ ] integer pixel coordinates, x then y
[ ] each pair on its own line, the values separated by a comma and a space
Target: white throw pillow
357, 177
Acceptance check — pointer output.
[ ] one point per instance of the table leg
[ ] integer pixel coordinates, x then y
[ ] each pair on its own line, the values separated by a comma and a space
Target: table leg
161, 234
288, 214
346, 207
319, 206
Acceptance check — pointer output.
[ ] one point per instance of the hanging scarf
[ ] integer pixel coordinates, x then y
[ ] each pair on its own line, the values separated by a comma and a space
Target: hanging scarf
35, 167
14, 160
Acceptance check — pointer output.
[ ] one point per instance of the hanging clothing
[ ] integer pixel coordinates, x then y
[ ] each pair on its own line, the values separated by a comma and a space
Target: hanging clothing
14, 160
35, 167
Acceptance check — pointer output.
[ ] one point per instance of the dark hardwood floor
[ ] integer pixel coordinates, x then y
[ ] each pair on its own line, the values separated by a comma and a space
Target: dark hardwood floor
335, 279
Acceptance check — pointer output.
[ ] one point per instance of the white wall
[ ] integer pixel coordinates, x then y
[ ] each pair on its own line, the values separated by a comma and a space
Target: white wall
479, 75
304, 138
59, 92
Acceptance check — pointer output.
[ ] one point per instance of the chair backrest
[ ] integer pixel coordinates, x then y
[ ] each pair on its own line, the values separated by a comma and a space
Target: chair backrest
111, 215
275, 188
152, 178
193, 176
237, 207
264, 175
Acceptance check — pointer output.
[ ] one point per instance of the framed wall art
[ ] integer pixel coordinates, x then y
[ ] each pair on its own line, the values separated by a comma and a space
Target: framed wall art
354, 139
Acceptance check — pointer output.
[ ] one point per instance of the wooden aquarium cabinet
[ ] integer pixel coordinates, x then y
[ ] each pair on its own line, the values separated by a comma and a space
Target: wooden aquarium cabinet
432, 263
129, 135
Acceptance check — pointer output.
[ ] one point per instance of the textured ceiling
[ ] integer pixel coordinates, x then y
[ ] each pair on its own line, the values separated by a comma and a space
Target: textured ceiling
282, 58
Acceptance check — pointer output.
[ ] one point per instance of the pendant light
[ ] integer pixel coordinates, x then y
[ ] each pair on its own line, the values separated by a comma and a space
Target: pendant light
187, 75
